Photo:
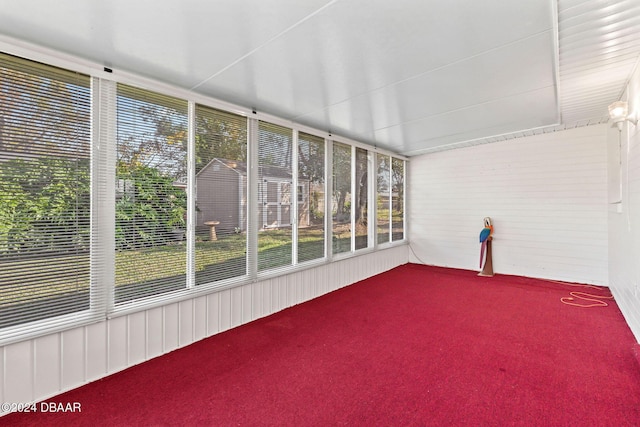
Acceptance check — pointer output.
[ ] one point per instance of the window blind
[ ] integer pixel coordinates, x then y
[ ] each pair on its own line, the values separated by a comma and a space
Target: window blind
221, 195
275, 192
311, 197
382, 196
341, 198
361, 198
45, 203
150, 196
60, 221
397, 199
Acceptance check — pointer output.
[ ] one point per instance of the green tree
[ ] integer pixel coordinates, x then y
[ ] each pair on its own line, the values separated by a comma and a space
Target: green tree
44, 161
341, 178
219, 135
44, 109
44, 205
148, 207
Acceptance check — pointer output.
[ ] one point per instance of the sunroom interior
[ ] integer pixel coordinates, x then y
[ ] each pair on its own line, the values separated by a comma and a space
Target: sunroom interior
171, 170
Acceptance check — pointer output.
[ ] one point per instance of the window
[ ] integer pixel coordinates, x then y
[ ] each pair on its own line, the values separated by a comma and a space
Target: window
397, 199
275, 144
361, 199
382, 195
162, 200
45, 191
311, 200
151, 209
221, 195
341, 205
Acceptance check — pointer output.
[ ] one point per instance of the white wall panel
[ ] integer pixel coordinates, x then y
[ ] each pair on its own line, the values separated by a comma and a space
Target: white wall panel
96, 351
294, 289
213, 313
155, 332
118, 343
73, 362
257, 300
224, 308
309, 285
37, 369
247, 304
200, 318
137, 333
171, 327
546, 195
624, 219
186, 322
278, 293
236, 306
47, 369
18, 372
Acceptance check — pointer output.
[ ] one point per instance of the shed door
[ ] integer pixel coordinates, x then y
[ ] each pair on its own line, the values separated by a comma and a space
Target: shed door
276, 210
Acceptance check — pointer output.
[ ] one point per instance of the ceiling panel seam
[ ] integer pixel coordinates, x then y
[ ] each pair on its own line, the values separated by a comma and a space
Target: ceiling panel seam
254, 50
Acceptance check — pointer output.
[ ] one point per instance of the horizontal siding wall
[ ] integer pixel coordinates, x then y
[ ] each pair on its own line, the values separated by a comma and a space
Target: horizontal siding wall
624, 223
546, 195
46, 366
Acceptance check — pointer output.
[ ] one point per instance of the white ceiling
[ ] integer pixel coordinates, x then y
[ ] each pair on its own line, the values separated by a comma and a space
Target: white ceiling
411, 76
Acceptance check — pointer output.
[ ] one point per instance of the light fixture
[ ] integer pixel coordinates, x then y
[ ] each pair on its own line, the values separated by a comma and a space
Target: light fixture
619, 112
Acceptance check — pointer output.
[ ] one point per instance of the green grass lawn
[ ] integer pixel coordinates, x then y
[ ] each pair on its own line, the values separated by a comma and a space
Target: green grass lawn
160, 269
155, 270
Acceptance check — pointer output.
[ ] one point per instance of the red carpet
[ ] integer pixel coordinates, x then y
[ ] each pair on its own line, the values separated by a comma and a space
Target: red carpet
415, 346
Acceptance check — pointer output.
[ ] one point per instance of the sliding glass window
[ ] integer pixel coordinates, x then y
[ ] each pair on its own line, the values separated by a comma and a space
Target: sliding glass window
136, 201
311, 197
397, 199
382, 198
341, 198
275, 145
361, 198
220, 196
45, 191
150, 196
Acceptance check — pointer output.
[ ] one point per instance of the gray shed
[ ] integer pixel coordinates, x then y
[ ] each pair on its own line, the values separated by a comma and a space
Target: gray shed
221, 197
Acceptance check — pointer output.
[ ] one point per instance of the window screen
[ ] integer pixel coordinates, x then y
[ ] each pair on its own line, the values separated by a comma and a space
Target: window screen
44, 191
221, 195
150, 200
342, 200
275, 144
311, 199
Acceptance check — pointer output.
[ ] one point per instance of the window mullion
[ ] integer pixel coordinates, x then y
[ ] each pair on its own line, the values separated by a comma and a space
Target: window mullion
252, 199
102, 194
372, 211
191, 195
329, 198
390, 230
354, 202
294, 198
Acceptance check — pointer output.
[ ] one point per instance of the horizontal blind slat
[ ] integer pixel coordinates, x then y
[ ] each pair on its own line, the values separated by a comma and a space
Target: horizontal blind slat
44, 191
150, 199
221, 196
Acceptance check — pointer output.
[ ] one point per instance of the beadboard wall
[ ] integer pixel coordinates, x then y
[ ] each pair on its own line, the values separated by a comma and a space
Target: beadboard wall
40, 368
546, 195
624, 218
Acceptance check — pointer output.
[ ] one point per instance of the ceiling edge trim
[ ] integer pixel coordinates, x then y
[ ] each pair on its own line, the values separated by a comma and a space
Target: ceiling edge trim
508, 136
